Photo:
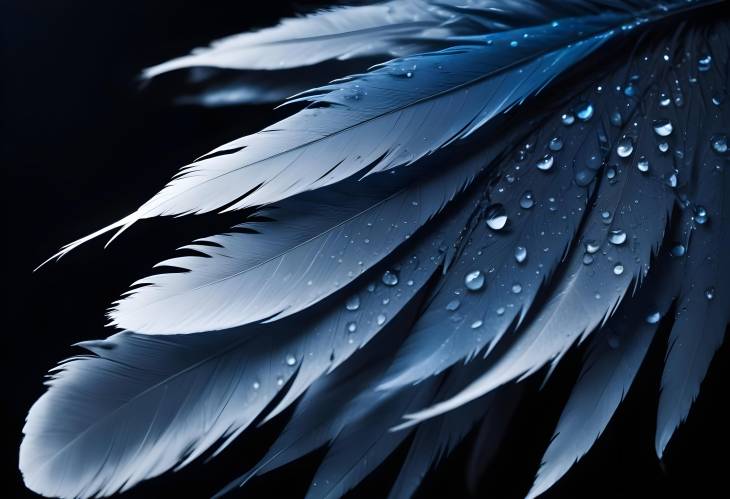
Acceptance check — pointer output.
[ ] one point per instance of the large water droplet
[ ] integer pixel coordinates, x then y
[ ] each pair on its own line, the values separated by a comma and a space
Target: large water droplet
700, 215
527, 200
390, 278
474, 281
520, 254
643, 164
453, 305
496, 217
545, 163
618, 269
625, 147
719, 144
353, 303
617, 237
556, 144
291, 360
653, 318
584, 111
663, 128
567, 119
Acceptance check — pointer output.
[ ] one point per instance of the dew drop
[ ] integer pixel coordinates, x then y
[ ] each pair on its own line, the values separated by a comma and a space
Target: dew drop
545, 163
291, 360
453, 305
663, 128
616, 119
643, 164
625, 147
653, 317
527, 200
584, 112
583, 177
587, 259
353, 303
592, 246
513, 43
380, 319
672, 180
567, 119
704, 63
351, 328
496, 217
617, 237
520, 254
630, 90
664, 100
678, 250
618, 269
474, 281
280, 381
555, 144
517, 288
500, 311
256, 385
710, 293
476, 324
663, 146
700, 215
611, 173
719, 144
390, 278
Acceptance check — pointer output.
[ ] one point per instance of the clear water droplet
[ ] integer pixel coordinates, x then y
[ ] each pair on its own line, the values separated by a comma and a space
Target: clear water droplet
617, 237
500, 311
514, 43
663, 128
583, 177
653, 317
453, 305
474, 281
517, 288
256, 385
678, 250
291, 360
567, 119
611, 173
584, 111
606, 216
594, 162
390, 278
663, 146
664, 100
643, 164
545, 163
710, 293
672, 180
353, 303
587, 259
476, 324
351, 327
704, 63
592, 246
625, 147
618, 269
496, 217
701, 215
630, 90
555, 144
616, 119
380, 319
719, 144
520, 254
527, 200
280, 381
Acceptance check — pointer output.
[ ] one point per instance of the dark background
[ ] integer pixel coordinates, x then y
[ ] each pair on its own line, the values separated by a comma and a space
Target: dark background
83, 145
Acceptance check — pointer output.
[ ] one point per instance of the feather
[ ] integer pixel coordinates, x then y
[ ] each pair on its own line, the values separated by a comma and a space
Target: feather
249, 277
348, 128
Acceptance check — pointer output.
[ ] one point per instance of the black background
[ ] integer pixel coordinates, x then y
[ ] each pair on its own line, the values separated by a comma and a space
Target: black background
83, 146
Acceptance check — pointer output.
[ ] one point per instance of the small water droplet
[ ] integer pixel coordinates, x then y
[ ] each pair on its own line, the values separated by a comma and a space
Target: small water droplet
617, 237
567, 119
616, 119
496, 217
583, 177
351, 328
663, 128
663, 146
678, 250
664, 100
476, 324
474, 281
719, 144
700, 215
390, 278
380, 319
594, 162
517, 288
643, 164
353, 303
291, 360
453, 305
653, 317
704, 63
527, 200
555, 144
606, 216
584, 111
672, 180
611, 173
280, 381
625, 147
618, 269
500, 311
710, 293
256, 385
520, 254
545, 163
587, 259
630, 90
592, 246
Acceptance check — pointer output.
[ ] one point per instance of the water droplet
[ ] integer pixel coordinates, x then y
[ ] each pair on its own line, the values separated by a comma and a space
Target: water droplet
617, 237
513, 43
476, 324
704, 63
587, 259
594, 162
678, 250
555, 144
643, 164
663, 146
351, 328
527, 200
672, 180
353, 303
583, 177
584, 112
280, 381
611, 173
496, 217
545, 163
664, 100
719, 144
390, 278
592, 246
517, 288
567, 119
653, 317
474, 281
520, 254
500, 311
380, 319
663, 128
700, 215
606, 216
291, 360
453, 305
625, 147
710, 293
618, 269
616, 118
256, 385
